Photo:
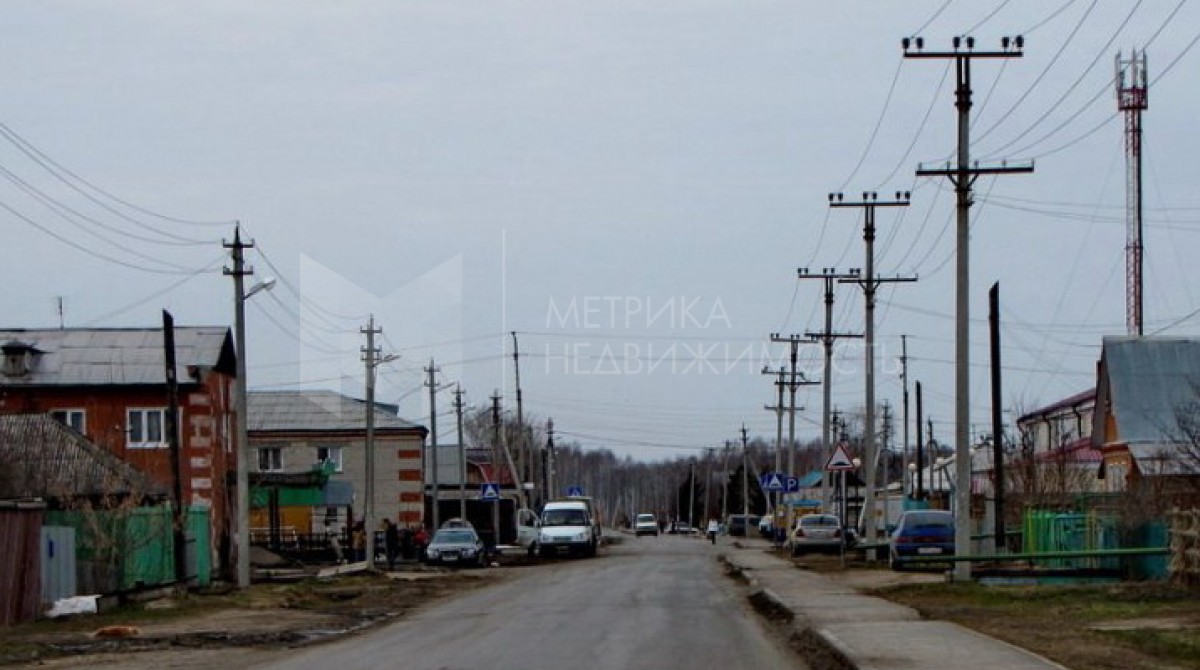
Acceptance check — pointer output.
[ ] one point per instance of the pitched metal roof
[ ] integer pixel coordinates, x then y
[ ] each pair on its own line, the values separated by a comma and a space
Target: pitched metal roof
42, 458
1081, 399
287, 411
1149, 380
117, 356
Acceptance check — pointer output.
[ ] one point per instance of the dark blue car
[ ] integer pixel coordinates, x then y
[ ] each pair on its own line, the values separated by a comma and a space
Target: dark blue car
921, 533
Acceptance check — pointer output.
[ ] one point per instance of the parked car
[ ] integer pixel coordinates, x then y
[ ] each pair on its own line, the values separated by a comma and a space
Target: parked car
818, 532
766, 527
738, 523
921, 533
457, 522
681, 528
456, 546
645, 524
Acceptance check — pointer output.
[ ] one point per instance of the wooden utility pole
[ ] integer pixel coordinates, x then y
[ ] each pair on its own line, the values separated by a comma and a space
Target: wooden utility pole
963, 176
171, 426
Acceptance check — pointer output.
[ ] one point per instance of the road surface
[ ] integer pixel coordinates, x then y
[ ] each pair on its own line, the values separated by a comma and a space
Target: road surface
646, 603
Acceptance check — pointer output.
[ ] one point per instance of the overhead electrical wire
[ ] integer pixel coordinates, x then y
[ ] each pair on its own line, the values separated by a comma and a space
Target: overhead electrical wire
49, 166
1053, 15
41, 157
156, 294
987, 18
982, 135
93, 252
932, 18
887, 101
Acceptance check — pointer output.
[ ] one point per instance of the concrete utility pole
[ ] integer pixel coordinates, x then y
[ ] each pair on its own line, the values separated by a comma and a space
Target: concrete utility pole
462, 454
827, 337
904, 489
524, 449
963, 176
370, 354
709, 456
869, 284
496, 447
795, 380
778, 409
242, 454
746, 480
433, 442
549, 466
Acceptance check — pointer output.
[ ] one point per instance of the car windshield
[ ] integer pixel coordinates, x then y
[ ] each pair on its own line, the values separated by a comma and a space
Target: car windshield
564, 517
454, 537
928, 520
645, 518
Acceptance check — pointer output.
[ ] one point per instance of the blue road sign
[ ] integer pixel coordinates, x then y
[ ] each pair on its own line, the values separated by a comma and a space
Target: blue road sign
779, 481
489, 491
574, 491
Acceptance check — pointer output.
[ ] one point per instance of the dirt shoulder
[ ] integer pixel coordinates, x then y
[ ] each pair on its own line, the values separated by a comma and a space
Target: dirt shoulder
264, 618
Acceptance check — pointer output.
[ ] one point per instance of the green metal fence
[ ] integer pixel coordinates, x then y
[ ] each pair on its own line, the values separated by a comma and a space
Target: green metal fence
120, 550
1046, 531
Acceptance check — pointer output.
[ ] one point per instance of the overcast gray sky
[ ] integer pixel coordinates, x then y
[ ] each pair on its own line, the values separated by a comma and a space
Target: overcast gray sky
629, 185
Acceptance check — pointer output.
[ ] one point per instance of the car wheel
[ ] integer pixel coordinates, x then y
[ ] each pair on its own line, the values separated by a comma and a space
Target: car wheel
533, 550
894, 562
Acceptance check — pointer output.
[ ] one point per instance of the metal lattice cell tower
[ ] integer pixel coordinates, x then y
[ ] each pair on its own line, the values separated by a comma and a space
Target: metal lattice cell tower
1131, 99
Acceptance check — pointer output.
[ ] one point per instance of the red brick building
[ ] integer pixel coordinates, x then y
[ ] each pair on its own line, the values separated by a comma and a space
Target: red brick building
110, 386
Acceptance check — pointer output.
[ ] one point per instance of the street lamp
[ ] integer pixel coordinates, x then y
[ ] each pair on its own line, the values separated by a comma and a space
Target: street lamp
242, 455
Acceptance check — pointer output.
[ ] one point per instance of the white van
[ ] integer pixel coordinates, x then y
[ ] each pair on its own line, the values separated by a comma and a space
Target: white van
567, 526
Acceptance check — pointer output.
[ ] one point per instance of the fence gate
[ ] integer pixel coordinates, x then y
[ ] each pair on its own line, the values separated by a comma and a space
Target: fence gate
58, 563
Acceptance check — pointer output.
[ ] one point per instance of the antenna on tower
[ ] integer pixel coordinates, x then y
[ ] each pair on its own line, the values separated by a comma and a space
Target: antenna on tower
1131, 99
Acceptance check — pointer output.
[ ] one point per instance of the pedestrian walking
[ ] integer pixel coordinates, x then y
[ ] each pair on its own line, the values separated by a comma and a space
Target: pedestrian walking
713, 529
391, 542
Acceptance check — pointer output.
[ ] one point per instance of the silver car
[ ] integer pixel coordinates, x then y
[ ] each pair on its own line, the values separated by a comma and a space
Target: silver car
456, 546
816, 532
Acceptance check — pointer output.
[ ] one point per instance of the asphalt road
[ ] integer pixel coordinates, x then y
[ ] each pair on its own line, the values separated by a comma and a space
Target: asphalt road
648, 603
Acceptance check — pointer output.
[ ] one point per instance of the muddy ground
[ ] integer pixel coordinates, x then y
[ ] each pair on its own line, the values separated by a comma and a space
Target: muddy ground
211, 629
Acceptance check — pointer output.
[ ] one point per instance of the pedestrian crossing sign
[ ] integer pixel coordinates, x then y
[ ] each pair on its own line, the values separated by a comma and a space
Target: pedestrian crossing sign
489, 491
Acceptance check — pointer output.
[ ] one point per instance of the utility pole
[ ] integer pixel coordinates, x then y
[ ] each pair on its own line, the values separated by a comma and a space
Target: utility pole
171, 429
1132, 91
370, 354
795, 380
239, 272
462, 454
725, 484
827, 338
869, 284
905, 488
691, 493
524, 452
709, 457
496, 446
778, 408
433, 442
997, 423
920, 451
963, 176
549, 465
746, 480
885, 441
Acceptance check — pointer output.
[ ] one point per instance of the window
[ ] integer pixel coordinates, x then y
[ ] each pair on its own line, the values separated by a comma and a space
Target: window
146, 428
270, 459
75, 418
330, 455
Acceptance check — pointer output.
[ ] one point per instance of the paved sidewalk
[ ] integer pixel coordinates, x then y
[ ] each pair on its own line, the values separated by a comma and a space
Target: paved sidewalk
839, 627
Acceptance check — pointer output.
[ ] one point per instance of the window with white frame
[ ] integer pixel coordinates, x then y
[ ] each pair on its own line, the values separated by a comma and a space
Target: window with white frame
146, 428
75, 418
270, 459
331, 455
